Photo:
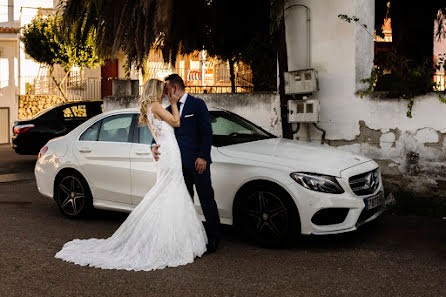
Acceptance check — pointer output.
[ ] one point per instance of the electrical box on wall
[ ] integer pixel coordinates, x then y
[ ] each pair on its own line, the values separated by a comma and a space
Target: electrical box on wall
303, 111
301, 82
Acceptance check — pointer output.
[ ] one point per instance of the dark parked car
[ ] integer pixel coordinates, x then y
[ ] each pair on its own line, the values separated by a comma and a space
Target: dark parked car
30, 135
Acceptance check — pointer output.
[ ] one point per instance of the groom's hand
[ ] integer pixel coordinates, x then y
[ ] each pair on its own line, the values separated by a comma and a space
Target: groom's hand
156, 154
200, 165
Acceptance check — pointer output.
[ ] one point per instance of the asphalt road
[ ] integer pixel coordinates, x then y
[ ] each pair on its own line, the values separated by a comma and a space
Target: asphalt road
397, 255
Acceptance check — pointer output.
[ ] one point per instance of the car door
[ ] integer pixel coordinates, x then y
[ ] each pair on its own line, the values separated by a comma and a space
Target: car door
103, 153
57, 121
143, 170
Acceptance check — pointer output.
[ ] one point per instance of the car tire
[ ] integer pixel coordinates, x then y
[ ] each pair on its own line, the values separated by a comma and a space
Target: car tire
266, 214
73, 195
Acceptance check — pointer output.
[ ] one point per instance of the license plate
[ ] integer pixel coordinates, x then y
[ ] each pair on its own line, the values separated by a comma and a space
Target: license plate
374, 201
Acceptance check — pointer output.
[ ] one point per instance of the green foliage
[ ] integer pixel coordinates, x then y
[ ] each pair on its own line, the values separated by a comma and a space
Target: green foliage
229, 29
441, 98
42, 43
409, 108
398, 76
348, 19
404, 78
244, 36
371, 81
354, 18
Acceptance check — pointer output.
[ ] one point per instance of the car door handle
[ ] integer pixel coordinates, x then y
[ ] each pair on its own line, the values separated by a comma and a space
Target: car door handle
143, 153
84, 150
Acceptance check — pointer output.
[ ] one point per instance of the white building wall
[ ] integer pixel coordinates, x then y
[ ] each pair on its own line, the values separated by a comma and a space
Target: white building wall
8, 72
406, 148
13, 62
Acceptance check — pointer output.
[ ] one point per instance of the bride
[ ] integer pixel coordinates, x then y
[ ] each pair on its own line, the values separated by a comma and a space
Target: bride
164, 230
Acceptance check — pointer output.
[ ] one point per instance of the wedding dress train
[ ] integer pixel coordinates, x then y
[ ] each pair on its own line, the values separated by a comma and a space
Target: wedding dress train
164, 230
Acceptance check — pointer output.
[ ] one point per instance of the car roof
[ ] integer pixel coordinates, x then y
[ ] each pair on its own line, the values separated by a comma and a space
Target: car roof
76, 102
44, 111
136, 110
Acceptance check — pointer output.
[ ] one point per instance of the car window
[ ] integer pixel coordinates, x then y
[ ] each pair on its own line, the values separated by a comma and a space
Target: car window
116, 128
145, 136
225, 126
91, 134
79, 111
66, 112
229, 128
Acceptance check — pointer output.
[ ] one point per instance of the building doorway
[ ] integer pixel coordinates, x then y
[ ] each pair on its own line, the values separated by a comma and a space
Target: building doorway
108, 72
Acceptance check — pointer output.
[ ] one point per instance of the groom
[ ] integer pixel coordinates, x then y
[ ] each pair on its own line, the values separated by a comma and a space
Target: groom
194, 138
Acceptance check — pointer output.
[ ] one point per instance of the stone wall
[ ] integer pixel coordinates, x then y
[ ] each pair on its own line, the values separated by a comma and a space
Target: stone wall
29, 105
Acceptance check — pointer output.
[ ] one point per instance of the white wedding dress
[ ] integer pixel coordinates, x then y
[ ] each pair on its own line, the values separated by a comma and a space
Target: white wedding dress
164, 230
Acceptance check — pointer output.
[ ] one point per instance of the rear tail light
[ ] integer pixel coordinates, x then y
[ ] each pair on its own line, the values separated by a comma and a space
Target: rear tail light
19, 129
42, 152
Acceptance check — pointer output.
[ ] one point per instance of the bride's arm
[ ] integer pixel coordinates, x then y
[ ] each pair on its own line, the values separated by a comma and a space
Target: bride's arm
172, 119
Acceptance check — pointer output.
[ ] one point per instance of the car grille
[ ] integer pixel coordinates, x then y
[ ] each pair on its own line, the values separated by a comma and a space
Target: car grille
365, 183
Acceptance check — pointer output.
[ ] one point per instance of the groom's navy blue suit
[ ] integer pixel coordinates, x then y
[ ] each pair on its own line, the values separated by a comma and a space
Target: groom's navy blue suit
194, 138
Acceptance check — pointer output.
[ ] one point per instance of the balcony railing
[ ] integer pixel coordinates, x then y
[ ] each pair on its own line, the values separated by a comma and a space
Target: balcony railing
74, 89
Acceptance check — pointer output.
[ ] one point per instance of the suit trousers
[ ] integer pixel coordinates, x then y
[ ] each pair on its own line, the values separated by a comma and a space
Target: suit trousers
205, 193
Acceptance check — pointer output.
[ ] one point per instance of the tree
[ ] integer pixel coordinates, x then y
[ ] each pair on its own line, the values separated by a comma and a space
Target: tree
134, 27
43, 44
243, 37
235, 30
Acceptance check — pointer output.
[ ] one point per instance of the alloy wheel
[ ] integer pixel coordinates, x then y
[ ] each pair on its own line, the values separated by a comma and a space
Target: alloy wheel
72, 196
265, 217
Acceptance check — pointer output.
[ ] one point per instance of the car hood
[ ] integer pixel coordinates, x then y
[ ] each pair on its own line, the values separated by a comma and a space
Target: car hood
295, 155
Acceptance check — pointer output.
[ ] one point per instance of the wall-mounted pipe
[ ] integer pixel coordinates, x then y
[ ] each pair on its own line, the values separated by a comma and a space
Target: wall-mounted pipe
308, 25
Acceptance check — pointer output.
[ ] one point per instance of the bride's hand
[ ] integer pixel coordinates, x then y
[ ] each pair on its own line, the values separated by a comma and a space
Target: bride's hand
173, 98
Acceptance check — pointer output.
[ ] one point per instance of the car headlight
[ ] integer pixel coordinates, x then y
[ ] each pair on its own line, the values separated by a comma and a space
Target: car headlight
317, 182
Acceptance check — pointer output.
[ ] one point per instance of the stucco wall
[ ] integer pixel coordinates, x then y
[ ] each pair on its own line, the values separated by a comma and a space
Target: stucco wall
260, 108
411, 151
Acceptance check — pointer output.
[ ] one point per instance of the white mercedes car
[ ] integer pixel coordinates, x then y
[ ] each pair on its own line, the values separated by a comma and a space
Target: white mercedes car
270, 188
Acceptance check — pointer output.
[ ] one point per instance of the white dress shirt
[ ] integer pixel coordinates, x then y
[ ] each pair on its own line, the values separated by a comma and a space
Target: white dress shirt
182, 102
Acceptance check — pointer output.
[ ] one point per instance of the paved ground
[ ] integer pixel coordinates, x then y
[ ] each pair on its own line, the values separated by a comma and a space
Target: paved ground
398, 255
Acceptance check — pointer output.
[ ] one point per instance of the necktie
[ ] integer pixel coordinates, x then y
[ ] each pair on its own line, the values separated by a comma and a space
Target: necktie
179, 107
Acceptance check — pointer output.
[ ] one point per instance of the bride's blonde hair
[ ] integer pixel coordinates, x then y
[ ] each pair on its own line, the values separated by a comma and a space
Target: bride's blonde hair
152, 91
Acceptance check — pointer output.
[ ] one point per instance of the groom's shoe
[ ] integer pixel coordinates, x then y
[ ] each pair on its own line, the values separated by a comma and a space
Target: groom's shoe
211, 246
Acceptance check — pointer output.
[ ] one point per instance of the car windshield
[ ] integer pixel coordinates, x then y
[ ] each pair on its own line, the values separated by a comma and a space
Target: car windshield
229, 128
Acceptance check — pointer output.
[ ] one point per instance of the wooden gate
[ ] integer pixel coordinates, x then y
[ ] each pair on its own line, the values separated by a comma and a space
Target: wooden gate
4, 125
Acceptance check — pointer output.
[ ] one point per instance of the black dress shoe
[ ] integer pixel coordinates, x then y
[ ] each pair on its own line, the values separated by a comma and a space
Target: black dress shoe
211, 246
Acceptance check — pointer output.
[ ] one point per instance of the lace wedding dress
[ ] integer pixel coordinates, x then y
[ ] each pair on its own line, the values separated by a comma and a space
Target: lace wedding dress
164, 230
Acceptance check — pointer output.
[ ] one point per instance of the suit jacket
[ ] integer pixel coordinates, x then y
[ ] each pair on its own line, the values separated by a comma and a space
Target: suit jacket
194, 136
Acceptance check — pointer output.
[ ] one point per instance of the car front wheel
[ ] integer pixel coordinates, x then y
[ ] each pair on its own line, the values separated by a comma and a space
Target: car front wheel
73, 195
267, 214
